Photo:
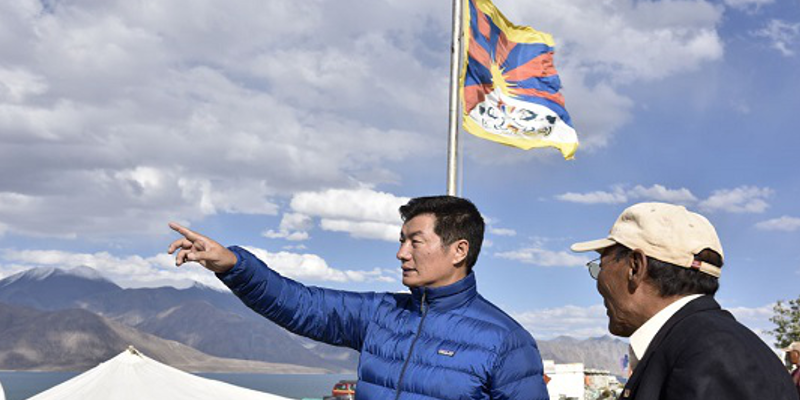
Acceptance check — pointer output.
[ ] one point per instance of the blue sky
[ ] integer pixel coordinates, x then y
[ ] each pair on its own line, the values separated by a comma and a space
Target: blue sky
297, 128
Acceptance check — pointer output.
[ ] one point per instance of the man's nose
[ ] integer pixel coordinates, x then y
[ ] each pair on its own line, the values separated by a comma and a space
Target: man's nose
402, 252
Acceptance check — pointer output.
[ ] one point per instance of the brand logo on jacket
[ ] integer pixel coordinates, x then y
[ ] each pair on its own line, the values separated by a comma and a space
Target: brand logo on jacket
449, 353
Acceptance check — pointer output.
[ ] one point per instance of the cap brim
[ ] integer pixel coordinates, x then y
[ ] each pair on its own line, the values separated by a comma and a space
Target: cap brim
593, 245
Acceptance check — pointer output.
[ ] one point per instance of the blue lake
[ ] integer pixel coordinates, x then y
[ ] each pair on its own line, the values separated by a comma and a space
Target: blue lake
22, 385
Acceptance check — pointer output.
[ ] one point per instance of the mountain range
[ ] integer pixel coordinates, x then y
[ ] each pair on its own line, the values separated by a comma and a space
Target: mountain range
54, 319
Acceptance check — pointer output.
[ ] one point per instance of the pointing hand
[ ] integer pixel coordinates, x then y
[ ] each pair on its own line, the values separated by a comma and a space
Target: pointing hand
203, 250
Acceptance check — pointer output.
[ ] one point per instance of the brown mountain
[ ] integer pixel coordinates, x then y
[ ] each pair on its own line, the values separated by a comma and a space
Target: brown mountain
75, 340
598, 353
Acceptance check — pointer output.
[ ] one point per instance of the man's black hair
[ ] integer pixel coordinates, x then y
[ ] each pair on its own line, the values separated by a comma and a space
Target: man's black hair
456, 219
674, 280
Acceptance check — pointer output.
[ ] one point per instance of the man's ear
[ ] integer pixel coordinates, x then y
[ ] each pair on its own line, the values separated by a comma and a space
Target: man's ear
637, 268
460, 251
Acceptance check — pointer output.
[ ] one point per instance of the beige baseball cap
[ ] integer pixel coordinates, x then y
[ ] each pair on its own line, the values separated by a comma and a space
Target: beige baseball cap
795, 346
666, 232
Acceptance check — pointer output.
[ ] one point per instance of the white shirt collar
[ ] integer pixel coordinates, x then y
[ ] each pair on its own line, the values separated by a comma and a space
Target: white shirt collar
641, 339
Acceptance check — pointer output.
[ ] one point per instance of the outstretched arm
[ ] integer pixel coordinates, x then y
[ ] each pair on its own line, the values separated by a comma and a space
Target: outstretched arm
331, 316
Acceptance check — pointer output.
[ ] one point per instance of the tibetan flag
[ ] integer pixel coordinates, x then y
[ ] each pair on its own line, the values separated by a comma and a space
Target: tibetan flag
509, 85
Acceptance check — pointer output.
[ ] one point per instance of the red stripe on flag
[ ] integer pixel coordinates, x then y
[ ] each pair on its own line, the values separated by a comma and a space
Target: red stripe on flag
475, 94
483, 23
480, 54
504, 46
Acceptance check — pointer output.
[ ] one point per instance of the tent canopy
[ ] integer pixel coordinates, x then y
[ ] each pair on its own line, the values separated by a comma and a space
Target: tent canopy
132, 375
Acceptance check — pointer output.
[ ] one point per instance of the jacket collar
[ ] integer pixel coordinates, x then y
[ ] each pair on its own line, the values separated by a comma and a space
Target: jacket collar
448, 297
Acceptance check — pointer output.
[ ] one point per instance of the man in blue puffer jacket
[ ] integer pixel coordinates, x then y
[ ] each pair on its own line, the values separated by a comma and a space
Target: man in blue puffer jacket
441, 341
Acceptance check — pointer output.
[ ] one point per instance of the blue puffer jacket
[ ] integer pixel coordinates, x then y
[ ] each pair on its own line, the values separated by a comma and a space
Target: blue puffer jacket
434, 343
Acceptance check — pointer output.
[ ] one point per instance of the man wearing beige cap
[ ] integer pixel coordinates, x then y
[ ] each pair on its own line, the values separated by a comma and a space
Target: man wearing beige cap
793, 354
658, 271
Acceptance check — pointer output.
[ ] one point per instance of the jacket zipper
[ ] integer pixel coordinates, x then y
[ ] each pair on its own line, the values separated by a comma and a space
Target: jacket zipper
424, 310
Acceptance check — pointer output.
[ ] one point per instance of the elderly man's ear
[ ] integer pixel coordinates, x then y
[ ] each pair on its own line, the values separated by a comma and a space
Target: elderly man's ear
637, 269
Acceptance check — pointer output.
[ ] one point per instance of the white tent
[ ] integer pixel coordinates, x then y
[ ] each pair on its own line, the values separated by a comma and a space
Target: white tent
131, 375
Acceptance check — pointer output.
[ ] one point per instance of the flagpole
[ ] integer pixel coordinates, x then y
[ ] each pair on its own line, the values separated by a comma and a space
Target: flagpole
455, 64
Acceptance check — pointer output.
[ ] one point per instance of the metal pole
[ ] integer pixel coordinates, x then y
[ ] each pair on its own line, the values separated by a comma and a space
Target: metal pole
455, 64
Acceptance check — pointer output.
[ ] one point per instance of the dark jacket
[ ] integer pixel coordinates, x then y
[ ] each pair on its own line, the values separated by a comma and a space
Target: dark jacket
702, 352
432, 343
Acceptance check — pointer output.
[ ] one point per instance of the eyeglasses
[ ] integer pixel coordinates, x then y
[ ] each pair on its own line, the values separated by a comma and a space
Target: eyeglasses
594, 268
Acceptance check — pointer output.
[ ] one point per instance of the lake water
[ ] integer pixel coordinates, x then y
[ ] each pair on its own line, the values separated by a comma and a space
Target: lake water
22, 385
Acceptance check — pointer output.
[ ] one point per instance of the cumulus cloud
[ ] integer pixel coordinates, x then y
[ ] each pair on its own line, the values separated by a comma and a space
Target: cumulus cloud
757, 319
784, 223
620, 195
311, 267
569, 320
293, 227
160, 270
748, 5
539, 256
744, 199
131, 271
361, 213
175, 113
586, 322
502, 231
781, 34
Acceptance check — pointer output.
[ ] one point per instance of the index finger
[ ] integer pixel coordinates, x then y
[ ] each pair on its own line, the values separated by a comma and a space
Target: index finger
186, 232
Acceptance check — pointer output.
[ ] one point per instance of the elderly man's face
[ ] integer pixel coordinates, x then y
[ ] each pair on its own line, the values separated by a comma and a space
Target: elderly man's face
612, 283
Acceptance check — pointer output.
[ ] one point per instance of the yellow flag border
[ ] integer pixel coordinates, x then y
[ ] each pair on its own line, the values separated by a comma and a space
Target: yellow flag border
567, 149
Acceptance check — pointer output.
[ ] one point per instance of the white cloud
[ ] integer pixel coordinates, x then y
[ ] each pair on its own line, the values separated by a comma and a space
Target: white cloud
311, 267
293, 227
781, 34
17, 85
579, 322
597, 197
748, 5
356, 204
542, 257
744, 199
620, 195
160, 270
586, 322
363, 212
198, 125
363, 229
131, 271
784, 223
757, 319
502, 231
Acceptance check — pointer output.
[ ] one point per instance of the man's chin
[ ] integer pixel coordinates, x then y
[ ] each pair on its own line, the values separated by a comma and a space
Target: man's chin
410, 283
618, 330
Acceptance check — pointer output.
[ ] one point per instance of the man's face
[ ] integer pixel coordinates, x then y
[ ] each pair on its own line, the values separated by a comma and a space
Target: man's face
425, 262
794, 357
612, 283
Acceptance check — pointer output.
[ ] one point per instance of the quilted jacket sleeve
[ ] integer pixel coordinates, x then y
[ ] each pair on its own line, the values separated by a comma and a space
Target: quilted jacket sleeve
518, 372
332, 316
